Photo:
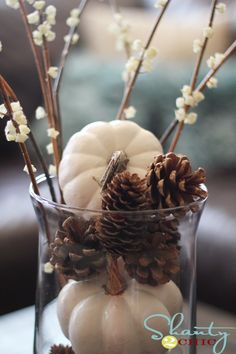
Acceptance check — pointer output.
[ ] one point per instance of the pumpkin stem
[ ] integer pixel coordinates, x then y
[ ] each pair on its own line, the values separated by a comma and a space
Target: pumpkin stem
116, 284
118, 163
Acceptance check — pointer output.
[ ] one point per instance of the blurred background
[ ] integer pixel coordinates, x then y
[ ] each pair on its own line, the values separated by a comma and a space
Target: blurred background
92, 90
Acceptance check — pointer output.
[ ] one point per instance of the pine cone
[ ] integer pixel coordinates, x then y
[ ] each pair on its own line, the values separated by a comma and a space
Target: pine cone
172, 182
121, 233
156, 265
76, 251
60, 349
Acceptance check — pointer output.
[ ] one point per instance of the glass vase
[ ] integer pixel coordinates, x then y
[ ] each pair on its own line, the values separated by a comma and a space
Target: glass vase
115, 282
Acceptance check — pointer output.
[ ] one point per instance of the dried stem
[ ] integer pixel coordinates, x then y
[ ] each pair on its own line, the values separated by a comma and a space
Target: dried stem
12, 95
64, 56
201, 87
35, 51
22, 146
132, 81
116, 283
193, 79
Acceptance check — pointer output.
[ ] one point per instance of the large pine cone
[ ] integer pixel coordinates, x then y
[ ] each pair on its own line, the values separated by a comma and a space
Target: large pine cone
76, 251
123, 233
60, 349
159, 259
172, 182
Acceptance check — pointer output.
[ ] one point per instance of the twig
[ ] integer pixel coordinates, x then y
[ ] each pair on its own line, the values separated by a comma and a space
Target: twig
12, 95
201, 87
35, 52
132, 81
194, 76
64, 56
168, 131
22, 146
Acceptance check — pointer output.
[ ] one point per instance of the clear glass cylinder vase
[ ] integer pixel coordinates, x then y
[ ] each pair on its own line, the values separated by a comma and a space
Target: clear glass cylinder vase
115, 282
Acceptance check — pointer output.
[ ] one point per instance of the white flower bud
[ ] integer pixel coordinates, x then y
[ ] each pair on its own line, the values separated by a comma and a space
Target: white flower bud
137, 45
38, 38
25, 169
16, 106
151, 53
197, 45
53, 133
198, 97
72, 21
48, 268
75, 13
33, 18
0, 46
39, 5
10, 131
19, 118
21, 138
186, 90
132, 64
24, 129
3, 111
160, 3
180, 114
130, 112
49, 148
147, 65
212, 83
51, 36
208, 32
13, 3
221, 7
40, 113
180, 102
191, 118
53, 72
51, 10
189, 100
52, 170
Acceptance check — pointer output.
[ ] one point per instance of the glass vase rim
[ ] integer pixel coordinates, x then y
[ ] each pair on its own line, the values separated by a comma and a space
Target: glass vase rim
45, 201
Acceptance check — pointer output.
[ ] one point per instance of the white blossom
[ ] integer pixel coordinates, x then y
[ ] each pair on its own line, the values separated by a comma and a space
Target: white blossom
160, 3
39, 5
198, 97
40, 113
72, 21
0, 46
51, 10
132, 65
10, 131
33, 18
221, 7
49, 148
208, 32
25, 169
21, 138
19, 118
52, 170
190, 118
189, 100
120, 28
130, 112
151, 53
186, 90
53, 72
75, 13
44, 28
180, 114
3, 111
53, 133
137, 45
215, 60
13, 3
180, 103
212, 83
16, 106
147, 65
48, 268
75, 38
51, 36
24, 129
197, 45
38, 38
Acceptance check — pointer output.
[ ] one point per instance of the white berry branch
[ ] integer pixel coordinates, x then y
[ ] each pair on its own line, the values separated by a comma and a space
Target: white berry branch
134, 77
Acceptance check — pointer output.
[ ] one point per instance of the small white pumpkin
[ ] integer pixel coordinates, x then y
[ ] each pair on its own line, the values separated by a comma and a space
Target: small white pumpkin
97, 323
89, 151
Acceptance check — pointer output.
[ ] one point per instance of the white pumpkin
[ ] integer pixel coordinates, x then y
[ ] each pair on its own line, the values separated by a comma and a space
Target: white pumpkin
97, 323
89, 151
